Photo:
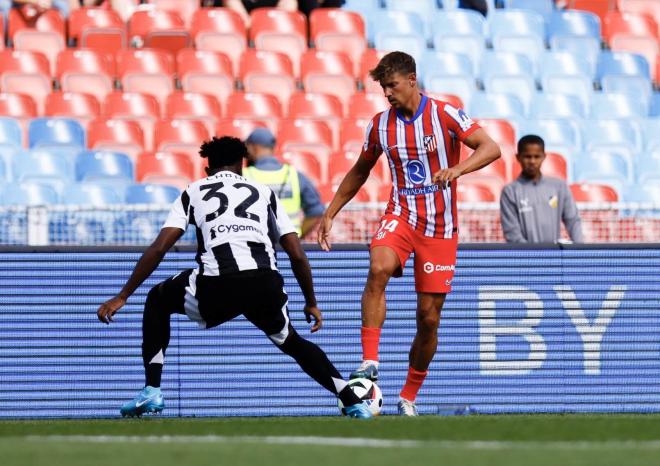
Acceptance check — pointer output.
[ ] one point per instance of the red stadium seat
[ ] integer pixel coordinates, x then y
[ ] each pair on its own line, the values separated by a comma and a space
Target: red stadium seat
134, 106
46, 35
306, 136
238, 128
306, 163
2, 35
468, 191
322, 107
328, 190
339, 30
267, 72
648, 47
165, 168
25, 72
598, 7
184, 8
629, 24
86, 71
281, 31
183, 136
82, 107
159, 29
554, 165
207, 72
328, 73
451, 99
352, 134
116, 135
590, 192
370, 59
191, 105
494, 175
220, 30
641, 7
19, 106
367, 105
97, 28
255, 106
150, 71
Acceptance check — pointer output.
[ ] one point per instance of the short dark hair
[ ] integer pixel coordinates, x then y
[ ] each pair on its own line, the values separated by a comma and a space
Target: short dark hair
393, 62
223, 151
530, 139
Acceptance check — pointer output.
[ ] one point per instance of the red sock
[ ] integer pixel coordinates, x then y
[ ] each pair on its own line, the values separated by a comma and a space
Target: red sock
414, 381
370, 340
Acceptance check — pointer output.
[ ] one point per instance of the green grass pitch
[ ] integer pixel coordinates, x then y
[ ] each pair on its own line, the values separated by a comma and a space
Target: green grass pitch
539, 440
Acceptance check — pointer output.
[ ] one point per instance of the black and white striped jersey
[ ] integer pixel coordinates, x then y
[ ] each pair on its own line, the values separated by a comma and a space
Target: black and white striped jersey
237, 223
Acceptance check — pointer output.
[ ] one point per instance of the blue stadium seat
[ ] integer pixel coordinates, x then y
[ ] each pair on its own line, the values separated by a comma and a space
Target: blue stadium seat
424, 8
491, 105
560, 135
504, 63
412, 44
631, 85
91, 165
56, 132
461, 86
531, 47
654, 110
362, 5
521, 86
612, 134
28, 193
444, 64
459, 22
151, 194
44, 167
622, 63
578, 86
574, 23
614, 168
87, 193
649, 193
10, 132
647, 168
4, 173
385, 22
542, 7
515, 23
564, 63
470, 45
587, 47
618, 106
546, 105
650, 128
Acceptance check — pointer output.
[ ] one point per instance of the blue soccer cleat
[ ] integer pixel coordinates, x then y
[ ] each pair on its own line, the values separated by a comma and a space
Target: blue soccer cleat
149, 400
358, 411
407, 408
367, 370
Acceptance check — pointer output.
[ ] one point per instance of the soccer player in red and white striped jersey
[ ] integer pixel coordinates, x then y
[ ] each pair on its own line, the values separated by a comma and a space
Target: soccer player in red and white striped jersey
421, 138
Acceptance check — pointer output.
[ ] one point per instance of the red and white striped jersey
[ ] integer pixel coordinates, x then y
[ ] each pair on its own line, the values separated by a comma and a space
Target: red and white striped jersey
416, 149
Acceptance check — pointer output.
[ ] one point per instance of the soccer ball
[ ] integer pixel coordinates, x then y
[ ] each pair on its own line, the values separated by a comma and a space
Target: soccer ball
367, 391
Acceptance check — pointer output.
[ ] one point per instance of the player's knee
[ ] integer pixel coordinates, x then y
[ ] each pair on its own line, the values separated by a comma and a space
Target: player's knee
379, 275
429, 322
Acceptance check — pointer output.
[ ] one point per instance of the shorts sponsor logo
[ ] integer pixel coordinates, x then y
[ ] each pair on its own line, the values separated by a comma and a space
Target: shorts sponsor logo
416, 172
430, 267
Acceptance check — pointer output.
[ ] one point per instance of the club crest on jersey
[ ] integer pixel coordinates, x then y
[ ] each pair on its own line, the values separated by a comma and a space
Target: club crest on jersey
429, 143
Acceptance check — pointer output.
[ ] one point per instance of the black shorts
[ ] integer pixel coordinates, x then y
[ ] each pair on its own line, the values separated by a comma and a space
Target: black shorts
210, 301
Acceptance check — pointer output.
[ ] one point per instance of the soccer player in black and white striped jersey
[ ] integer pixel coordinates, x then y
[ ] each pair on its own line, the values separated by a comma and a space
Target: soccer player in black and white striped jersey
238, 223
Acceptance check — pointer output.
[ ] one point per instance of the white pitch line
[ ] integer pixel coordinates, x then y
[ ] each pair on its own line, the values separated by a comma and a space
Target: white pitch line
347, 441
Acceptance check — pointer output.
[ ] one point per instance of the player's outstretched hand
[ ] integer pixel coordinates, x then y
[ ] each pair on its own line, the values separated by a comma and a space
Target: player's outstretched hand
313, 311
324, 232
109, 308
445, 176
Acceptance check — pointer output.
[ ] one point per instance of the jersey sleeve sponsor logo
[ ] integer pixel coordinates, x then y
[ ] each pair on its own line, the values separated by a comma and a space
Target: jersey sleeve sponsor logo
459, 116
416, 172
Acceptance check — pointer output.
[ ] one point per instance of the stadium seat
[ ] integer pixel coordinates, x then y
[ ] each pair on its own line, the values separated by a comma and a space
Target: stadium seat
470, 45
183, 136
496, 105
152, 194
339, 30
306, 163
352, 134
134, 106
458, 22
542, 7
574, 23
100, 29
47, 132
515, 23
25, 72
321, 107
554, 165
642, 193
184, 8
611, 168
645, 46
586, 47
579, 86
82, 107
451, 99
159, 29
504, 63
93, 165
521, 86
19, 106
651, 9
650, 133
394, 23
150, 71
49, 20
86, 71
329, 73
473, 191
630, 24
501, 131
44, 167
547, 105
220, 30
91, 194
498, 169
622, 63
262, 71
239, 128
255, 106
531, 47
10, 130
647, 167
413, 44
560, 135
592, 192
618, 105
28, 194
279, 30
444, 64
46, 36
365, 105
191, 105
206, 72
169, 168
424, 8
611, 134
597, 7
565, 63
117, 135
370, 59
463, 87
306, 136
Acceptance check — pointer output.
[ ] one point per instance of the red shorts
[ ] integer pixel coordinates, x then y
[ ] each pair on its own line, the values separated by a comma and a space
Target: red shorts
435, 258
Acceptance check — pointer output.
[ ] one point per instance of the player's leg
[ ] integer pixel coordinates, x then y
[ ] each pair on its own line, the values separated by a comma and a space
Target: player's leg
268, 312
390, 249
163, 300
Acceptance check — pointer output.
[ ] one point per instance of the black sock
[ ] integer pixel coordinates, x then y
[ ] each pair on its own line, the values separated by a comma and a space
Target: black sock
155, 336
